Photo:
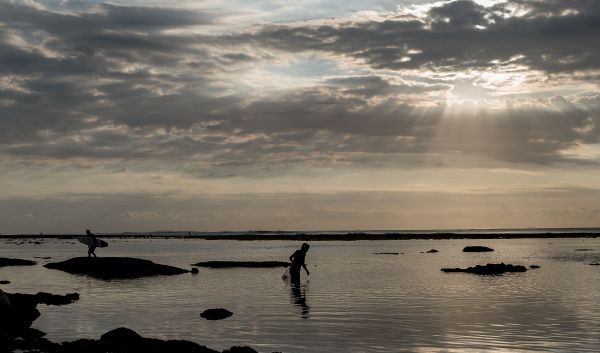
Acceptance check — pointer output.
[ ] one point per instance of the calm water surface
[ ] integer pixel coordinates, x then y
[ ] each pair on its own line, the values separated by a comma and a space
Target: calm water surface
354, 301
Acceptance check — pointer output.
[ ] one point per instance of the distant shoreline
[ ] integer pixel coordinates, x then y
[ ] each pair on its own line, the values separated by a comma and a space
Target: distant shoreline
323, 236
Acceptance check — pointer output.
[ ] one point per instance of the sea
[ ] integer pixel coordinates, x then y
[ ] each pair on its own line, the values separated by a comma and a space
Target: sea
353, 301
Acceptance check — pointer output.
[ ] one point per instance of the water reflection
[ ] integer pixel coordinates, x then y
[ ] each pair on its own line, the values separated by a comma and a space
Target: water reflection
299, 298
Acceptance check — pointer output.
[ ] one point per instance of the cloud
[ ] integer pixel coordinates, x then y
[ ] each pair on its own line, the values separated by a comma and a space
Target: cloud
545, 35
113, 83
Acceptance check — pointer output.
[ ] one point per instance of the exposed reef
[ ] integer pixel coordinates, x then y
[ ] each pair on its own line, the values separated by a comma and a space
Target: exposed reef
216, 314
114, 267
4, 261
489, 269
477, 249
248, 264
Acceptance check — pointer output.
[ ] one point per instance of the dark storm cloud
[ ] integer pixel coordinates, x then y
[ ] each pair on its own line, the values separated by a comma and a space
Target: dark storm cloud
110, 84
458, 35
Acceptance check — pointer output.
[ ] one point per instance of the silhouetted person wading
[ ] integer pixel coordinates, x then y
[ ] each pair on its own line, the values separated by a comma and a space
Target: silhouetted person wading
297, 259
91, 248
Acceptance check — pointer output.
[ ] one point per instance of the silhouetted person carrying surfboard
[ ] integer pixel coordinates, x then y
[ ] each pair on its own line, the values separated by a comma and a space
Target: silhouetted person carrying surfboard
92, 247
298, 260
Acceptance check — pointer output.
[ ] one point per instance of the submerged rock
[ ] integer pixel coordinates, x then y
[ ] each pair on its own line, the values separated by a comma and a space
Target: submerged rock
216, 314
583, 250
195, 271
595, 264
489, 269
477, 249
237, 349
386, 253
534, 266
4, 261
250, 264
114, 267
432, 251
4, 282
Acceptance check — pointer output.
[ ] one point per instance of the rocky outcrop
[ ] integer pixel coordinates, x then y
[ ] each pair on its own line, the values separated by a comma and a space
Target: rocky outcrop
4, 261
114, 267
489, 269
216, 314
120, 340
20, 310
477, 249
249, 264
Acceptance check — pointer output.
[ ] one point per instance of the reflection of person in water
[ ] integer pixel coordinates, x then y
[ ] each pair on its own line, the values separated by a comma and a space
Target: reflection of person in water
91, 248
299, 299
297, 259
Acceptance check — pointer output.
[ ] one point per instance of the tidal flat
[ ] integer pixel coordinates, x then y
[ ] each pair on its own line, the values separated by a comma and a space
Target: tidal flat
353, 300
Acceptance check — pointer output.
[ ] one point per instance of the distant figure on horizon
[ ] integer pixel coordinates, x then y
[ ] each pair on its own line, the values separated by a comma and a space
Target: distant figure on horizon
298, 260
91, 248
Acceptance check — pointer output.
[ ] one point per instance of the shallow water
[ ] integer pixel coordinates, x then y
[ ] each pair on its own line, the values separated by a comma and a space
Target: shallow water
353, 301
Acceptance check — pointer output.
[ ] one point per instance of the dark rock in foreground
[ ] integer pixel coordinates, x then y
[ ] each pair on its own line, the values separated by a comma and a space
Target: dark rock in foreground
120, 340
15, 262
114, 267
489, 269
20, 310
216, 314
250, 264
477, 249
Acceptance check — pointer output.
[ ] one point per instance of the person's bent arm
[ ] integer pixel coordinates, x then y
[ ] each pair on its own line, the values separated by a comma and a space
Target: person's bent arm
306, 269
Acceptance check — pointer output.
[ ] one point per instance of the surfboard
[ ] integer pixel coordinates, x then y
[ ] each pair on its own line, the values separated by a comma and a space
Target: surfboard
89, 241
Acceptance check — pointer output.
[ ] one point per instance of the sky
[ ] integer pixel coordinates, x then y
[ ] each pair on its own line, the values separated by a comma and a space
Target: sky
152, 115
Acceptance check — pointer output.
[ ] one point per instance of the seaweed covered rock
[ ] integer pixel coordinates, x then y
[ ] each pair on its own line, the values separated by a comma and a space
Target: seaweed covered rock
249, 264
216, 314
489, 269
477, 249
114, 267
5, 261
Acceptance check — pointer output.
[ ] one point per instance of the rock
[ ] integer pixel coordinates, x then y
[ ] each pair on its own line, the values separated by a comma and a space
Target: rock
250, 264
4, 282
477, 249
114, 267
122, 340
195, 271
54, 299
489, 269
432, 251
15, 262
237, 349
386, 253
595, 264
216, 314
534, 266
583, 250
20, 310
32, 334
